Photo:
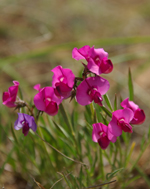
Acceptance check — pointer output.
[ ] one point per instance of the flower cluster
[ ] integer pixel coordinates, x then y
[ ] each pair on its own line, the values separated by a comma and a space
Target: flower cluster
89, 88
121, 121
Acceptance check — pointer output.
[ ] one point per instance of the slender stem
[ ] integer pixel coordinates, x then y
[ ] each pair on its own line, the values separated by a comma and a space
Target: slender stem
92, 110
61, 152
102, 165
44, 146
108, 157
71, 128
59, 180
120, 150
65, 178
141, 153
99, 185
115, 156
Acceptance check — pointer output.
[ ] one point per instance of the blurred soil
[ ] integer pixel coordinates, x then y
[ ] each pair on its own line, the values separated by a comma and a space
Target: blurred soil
33, 25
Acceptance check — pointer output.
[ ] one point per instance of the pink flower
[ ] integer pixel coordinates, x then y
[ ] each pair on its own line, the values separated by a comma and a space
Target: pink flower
97, 59
46, 100
25, 122
9, 98
63, 81
90, 89
139, 115
120, 121
100, 135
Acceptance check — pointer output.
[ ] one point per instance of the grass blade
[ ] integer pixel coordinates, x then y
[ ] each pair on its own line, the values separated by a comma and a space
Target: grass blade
130, 85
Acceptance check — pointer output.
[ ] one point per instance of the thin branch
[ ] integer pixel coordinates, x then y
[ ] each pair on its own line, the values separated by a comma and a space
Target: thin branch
59, 180
61, 152
100, 184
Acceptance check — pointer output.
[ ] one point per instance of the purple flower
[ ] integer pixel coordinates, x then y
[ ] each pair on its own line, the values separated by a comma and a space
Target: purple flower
9, 98
100, 135
139, 115
25, 122
120, 121
97, 59
46, 100
90, 89
63, 81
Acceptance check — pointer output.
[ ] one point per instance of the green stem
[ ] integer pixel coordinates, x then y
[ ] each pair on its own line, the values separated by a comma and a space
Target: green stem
64, 176
115, 156
120, 150
44, 145
138, 158
102, 165
108, 157
65, 116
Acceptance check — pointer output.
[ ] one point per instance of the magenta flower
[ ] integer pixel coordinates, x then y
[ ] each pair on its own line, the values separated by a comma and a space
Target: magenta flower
139, 115
9, 98
25, 122
120, 121
90, 89
97, 59
46, 100
100, 135
63, 81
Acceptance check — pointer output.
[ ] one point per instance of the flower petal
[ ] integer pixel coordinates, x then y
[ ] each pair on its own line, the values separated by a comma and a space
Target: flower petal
139, 117
97, 128
125, 114
129, 104
106, 66
82, 95
113, 129
103, 142
100, 83
82, 53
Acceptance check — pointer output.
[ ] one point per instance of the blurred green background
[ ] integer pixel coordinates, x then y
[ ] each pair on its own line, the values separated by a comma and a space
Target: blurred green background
37, 35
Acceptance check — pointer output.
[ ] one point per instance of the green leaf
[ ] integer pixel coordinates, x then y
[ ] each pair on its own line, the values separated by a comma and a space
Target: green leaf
130, 85
109, 176
107, 100
64, 114
115, 103
47, 135
106, 111
13, 133
145, 177
143, 142
149, 133
62, 130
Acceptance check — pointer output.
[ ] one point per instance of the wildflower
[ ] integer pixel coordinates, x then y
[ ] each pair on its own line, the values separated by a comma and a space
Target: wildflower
63, 81
139, 115
25, 122
97, 59
90, 89
100, 135
9, 98
46, 100
120, 121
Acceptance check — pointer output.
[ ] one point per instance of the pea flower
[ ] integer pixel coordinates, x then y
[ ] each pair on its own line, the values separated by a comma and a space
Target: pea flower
100, 135
63, 81
139, 115
120, 122
97, 59
46, 100
9, 98
25, 122
90, 89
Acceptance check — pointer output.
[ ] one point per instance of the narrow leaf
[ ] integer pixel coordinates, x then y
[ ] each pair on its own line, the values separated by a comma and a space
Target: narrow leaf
130, 85
106, 111
115, 103
107, 100
13, 133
